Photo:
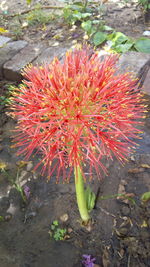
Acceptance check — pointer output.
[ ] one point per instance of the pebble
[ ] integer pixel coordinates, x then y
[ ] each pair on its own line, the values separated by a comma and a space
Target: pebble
146, 33
29, 166
12, 209
69, 230
88, 227
8, 217
21, 178
64, 217
132, 158
34, 175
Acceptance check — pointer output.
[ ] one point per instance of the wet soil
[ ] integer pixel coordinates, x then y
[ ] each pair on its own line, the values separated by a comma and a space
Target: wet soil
119, 235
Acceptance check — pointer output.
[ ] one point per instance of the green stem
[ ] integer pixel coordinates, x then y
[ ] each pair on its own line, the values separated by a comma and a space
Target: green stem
80, 194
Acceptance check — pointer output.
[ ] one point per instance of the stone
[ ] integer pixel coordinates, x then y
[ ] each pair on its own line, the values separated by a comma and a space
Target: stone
12, 209
12, 68
133, 61
8, 217
69, 230
22, 178
146, 85
48, 54
8, 51
29, 166
4, 40
64, 217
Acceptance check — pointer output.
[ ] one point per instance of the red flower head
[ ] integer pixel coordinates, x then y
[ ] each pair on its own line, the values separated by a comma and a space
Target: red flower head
77, 112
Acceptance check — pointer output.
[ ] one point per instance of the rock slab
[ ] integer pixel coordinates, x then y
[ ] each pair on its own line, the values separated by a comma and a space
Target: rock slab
48, 55
12, 68
4, 40
133, 61
8, 51
146, 85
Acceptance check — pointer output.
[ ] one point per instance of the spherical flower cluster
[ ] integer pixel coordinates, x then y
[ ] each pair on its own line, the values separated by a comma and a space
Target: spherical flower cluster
77, 112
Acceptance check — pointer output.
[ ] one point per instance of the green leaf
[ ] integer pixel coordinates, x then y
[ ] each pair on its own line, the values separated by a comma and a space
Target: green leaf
107, 28
77, 15
79, 3
52, 227
99, 38
95, 21
119, 38
143, 45
55, 223
76, 7
90, 198
87, 25
145, 197
111, 36
1, 218
62, 232
28, 2
85, 15
122, 48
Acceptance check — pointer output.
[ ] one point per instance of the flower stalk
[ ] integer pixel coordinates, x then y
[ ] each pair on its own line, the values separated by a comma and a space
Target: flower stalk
80, 195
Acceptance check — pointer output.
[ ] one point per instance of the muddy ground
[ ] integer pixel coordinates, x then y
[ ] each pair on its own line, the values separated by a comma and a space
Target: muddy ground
119, 235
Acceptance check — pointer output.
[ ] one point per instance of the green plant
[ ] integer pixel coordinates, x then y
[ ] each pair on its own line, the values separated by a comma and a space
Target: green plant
99, 33
90, 199
28, 2
39, 16
145, 4
145, 197
75, 12
17, 32
119, 42
2, 218
16, 184
56, 232
6, 98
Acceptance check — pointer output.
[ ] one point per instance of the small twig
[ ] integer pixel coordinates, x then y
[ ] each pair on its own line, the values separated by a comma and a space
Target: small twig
32, 9
107, 213
129, 261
